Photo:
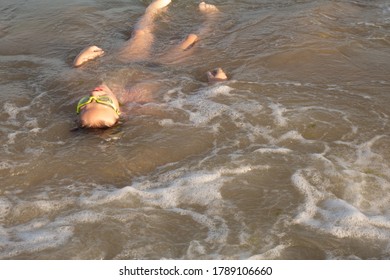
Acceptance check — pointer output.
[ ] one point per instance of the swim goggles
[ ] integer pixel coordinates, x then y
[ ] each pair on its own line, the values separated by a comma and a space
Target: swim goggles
103, 99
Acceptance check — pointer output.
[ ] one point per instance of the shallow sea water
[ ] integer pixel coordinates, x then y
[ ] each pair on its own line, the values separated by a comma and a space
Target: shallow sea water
289, 159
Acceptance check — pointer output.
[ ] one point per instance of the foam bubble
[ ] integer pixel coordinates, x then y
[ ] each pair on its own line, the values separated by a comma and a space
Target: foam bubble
6, 165
200, 107
5, 208
273, 150
104, 197
292, 135
38, 232
11, 110
12, 136
345, 220
167, 122
202, 188
277, 112
218, 229
207, 111
83, 217
35, 236
195, 249
326, 213
364, 151
272, 254
176, 192
194, 188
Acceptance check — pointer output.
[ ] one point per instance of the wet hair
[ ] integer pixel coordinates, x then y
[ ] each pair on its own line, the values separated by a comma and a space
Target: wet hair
99, 123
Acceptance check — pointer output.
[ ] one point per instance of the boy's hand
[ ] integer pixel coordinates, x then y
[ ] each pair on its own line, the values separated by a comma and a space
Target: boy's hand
87, 54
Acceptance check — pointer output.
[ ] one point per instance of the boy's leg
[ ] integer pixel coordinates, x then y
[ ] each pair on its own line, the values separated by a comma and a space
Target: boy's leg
177, 53
138, 46
188, 42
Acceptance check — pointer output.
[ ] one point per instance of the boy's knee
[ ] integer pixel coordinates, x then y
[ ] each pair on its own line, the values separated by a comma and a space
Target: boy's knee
139, 33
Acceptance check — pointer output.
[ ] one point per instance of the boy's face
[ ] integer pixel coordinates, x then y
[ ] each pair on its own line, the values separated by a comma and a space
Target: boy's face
98, 115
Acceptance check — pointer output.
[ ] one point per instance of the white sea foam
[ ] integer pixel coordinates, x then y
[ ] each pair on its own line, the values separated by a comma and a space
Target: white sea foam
167, 122
206, 109
172, 191
202, 107
272, 254
273, 150
365, 154
277, 111
5, 207
12, 110
175, 191
6, 165
31, 237
200, 188
324, 212
40, 232
293, 135
217, 227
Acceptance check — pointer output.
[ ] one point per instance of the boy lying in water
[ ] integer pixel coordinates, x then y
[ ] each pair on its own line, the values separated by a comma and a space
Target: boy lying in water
101, 108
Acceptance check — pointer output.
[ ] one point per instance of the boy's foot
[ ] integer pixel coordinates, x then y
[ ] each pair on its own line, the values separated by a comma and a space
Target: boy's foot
157, 5
208, 8
217, 75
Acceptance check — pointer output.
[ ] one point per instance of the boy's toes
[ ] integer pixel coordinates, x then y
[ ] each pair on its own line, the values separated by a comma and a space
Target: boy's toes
207, 8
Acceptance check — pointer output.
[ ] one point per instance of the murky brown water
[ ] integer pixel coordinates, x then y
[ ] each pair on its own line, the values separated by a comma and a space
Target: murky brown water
288, 160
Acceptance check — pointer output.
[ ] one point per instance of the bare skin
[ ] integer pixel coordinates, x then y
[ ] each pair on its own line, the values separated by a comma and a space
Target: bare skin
87, 54
183, 50
138, 47
98, 115
207, 8
217, 75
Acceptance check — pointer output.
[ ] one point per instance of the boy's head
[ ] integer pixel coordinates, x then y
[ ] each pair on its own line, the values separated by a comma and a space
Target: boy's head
98, 110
